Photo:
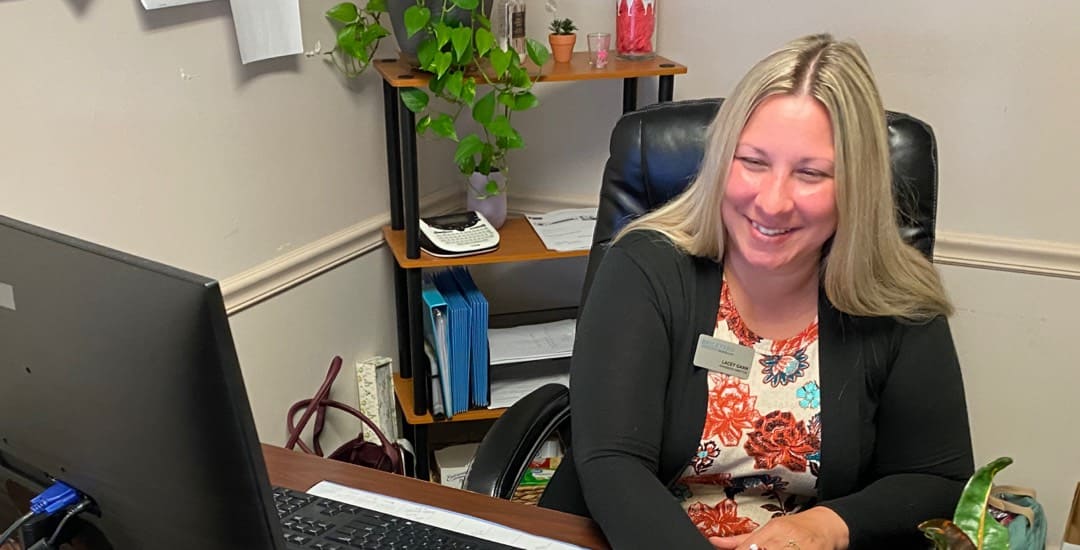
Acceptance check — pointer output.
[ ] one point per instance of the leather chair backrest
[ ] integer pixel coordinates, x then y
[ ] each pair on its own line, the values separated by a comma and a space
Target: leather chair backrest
656, 152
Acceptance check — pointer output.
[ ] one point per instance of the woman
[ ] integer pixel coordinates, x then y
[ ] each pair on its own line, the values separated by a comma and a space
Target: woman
763, 363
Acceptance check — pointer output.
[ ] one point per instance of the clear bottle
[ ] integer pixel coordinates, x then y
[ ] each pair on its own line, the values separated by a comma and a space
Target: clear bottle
515, 18
500, 23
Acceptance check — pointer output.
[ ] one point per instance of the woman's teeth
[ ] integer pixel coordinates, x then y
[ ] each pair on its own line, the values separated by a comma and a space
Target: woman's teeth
768, 230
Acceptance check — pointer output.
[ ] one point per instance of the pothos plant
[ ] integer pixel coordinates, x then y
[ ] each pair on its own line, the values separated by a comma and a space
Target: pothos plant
461, 54
972, 526
359, 33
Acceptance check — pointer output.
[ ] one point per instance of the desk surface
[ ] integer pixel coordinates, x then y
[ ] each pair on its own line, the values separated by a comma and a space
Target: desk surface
298, 471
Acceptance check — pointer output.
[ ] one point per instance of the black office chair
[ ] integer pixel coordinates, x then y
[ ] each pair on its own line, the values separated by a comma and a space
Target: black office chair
655, 154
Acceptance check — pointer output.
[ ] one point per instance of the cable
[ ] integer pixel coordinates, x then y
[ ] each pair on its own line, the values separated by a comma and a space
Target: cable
74, 511
15, 526
57, 497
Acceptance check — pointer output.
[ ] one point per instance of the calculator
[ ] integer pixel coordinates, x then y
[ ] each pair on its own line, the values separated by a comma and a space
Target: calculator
458, 234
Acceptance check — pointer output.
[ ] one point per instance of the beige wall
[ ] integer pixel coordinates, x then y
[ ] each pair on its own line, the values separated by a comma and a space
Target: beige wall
234, 166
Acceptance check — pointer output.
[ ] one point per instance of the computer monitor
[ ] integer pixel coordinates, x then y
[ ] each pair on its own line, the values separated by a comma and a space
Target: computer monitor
118, 376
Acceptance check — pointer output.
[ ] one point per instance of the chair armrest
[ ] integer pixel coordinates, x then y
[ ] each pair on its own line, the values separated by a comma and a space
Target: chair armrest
510, 444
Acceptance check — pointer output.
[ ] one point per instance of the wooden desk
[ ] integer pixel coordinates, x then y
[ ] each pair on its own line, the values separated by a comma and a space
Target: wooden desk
299, 472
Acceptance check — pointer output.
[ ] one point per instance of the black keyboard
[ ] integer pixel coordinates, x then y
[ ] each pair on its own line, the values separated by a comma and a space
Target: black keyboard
315, 523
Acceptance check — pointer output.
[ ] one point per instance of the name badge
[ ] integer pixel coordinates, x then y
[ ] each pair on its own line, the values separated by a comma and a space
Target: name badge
723, 357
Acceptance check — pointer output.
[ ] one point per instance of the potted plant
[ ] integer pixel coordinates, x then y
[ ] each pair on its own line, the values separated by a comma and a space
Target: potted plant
461, 54
562, 39
359, 33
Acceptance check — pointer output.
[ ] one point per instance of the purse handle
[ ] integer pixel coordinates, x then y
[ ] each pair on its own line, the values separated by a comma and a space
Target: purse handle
317, 405
1004, 505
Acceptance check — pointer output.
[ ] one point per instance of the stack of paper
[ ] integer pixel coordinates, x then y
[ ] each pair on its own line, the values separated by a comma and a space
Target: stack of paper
513, 381
532, 342
565, 230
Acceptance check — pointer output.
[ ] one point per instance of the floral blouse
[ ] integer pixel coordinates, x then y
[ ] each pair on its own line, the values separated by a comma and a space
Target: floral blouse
761, 446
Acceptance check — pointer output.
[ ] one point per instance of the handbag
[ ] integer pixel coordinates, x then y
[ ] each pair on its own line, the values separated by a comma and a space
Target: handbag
383, 455
1016, 509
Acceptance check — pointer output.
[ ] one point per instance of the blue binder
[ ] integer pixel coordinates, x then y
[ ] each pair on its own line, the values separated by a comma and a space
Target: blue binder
437, 335
480, 384
458, 317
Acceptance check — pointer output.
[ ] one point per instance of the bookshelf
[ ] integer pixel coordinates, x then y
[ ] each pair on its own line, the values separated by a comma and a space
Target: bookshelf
518, 242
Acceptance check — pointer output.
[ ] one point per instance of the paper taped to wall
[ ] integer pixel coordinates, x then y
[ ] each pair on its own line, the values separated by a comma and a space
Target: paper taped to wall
267, 28
155, 4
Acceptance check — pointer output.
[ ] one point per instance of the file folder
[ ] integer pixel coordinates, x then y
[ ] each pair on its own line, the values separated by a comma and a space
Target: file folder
437, 335
480, 383
458, 321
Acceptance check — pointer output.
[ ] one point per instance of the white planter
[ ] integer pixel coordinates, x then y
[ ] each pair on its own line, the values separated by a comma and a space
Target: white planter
493, 207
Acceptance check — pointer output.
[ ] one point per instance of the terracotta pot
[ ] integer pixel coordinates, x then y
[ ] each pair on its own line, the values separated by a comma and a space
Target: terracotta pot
562, 46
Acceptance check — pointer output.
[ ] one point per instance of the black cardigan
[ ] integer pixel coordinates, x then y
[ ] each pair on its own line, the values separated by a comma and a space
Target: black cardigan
896, 448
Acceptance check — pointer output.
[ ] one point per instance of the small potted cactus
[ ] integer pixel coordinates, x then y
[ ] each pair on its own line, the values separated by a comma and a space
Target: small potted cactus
562, 39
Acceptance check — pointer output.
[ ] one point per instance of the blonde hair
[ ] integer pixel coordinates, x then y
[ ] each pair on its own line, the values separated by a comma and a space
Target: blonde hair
868, 270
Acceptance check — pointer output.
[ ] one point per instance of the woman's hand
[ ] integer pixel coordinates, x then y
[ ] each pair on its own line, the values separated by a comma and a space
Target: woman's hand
818, 528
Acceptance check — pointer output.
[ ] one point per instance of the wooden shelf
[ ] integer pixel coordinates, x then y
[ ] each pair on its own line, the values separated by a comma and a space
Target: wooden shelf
401, 74
517, 243
403, 387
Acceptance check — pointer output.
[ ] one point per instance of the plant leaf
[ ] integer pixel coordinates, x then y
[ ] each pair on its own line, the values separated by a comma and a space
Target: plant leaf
425, 54
453, 84
511, 142
946, 535
423, 124
372, 34
484, 109
443, 126
484, 22
376, 6
466, 148
500, 126
970, 515
467, 166
519, 78
345, 12
492, 187
500, 61
415, 18
484, 41
467, 5
414, 99
525, 100
538, 53
507, 99
442, 34
346, 40
442, 62
468, 91
461, 37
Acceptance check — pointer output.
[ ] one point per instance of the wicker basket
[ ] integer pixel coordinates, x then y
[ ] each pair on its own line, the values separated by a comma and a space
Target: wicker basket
528, 494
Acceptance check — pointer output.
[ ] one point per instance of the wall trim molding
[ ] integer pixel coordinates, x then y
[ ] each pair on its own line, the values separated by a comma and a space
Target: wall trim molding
1028, 256
284, 272
262, 282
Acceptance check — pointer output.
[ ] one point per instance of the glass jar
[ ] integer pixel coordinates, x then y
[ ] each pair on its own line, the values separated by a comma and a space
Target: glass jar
635, 29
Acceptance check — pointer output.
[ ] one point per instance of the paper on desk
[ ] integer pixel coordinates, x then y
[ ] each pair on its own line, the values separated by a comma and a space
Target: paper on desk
155, 4
509, 383
531, 342
267, 28
437, 517
565, 230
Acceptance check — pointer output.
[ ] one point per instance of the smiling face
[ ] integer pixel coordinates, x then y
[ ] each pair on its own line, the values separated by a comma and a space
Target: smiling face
779, 205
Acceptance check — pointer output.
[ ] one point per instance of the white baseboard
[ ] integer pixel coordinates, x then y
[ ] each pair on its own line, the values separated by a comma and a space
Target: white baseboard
271, 278
241, 291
